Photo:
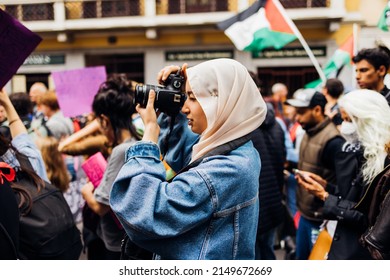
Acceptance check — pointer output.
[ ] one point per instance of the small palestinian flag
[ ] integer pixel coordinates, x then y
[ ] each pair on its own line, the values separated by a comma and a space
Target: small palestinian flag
260, 26
384, 20
341, 57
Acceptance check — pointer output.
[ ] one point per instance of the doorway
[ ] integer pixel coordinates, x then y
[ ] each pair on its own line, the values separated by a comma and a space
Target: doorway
293, 77
130, 64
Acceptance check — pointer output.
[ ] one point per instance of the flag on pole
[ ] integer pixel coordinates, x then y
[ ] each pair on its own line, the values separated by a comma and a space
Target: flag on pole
260, 26
342, 56
384, 20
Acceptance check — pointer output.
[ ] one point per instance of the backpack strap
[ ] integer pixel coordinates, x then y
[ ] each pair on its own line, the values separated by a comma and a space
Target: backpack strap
220, 150
44, 125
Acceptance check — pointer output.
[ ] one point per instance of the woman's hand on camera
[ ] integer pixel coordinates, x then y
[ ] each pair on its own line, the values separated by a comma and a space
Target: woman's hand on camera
149, 118
167, 70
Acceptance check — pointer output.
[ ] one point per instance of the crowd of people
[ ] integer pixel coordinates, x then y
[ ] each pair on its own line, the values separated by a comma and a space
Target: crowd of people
233, 173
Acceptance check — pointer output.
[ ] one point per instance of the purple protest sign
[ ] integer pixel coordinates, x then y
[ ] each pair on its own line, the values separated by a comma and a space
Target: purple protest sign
76, 89
16, 44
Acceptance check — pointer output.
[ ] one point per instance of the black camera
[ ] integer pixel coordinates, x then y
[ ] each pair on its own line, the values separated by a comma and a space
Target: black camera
169, 99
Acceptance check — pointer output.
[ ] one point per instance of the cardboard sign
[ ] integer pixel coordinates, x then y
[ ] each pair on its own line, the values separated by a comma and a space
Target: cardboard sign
16, 44
76, 89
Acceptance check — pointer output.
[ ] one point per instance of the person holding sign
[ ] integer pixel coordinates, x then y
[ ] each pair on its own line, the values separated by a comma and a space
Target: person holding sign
19, 141
113, 107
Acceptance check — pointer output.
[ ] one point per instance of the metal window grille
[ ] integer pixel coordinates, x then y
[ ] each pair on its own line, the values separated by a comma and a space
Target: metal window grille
102, 8
305, 3
31, 12
195, 6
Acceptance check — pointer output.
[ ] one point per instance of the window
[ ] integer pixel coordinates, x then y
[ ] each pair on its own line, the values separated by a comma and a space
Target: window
293, 77
38, 12
12, 10
89, 9
304, 3
197, 6
120, 8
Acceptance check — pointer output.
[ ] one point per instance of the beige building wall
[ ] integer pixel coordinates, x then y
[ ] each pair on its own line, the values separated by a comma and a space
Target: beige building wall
371, 10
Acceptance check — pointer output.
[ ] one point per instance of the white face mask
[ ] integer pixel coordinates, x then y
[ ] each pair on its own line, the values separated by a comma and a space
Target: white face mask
349, 131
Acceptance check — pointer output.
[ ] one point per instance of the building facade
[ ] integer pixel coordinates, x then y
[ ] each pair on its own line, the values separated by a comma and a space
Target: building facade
139, 37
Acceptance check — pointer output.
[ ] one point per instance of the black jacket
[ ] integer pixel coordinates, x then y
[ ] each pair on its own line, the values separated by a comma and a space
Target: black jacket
340, 206
9, 223
376, 202
268, 139
386, 93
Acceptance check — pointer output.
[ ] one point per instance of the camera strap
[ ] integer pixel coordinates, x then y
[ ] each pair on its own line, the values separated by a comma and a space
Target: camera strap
220, 150
166, 139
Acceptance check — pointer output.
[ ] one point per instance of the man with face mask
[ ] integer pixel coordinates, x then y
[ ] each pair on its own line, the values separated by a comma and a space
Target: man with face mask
318, 149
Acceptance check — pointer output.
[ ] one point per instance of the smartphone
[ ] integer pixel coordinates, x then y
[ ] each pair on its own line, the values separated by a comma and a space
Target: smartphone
299, 173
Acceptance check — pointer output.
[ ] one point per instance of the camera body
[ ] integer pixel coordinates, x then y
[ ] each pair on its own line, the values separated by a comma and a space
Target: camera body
169, 99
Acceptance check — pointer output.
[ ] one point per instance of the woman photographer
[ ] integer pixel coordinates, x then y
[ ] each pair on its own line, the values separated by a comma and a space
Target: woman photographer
210, 209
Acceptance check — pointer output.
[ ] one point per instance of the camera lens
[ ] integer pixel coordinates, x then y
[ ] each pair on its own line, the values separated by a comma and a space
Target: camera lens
169, 98
142, 94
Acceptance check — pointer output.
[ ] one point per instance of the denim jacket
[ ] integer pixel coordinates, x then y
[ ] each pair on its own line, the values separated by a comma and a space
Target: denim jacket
180, 143
208, 212
24, 144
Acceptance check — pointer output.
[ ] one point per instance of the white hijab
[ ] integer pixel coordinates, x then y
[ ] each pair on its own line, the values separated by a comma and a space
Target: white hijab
230, 100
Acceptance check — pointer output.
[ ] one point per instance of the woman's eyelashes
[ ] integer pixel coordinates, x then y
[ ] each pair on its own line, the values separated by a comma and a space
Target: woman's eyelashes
191, 96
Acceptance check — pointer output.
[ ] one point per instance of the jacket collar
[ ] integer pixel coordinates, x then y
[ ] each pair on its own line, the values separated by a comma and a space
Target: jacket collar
320, 126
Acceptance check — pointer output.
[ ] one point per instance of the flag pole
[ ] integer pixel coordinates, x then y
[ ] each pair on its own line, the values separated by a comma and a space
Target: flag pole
301, 39
355, 31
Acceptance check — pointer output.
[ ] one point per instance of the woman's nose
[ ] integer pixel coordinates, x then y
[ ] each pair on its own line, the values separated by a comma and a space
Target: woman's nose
185, 109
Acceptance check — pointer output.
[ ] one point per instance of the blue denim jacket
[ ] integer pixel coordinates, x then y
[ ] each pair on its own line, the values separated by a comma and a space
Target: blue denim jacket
208, 212
180, 141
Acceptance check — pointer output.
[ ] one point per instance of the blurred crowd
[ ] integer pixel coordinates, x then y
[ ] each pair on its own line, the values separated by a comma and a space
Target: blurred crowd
238, 173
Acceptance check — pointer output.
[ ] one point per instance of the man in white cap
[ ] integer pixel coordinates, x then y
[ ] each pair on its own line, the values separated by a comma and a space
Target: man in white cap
318, 149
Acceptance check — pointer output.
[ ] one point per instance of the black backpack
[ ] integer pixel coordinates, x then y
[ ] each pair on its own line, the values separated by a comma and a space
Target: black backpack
9, 220
48, 230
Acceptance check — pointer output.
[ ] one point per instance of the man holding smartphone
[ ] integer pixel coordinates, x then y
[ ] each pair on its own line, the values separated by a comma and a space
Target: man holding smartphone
318, 149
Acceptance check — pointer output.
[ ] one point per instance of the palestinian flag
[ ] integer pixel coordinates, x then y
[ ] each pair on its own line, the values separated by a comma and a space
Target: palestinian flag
384, 20
260, 26
342, 56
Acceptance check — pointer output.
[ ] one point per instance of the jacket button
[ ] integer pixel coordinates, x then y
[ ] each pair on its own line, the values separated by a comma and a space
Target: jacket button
336, 237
